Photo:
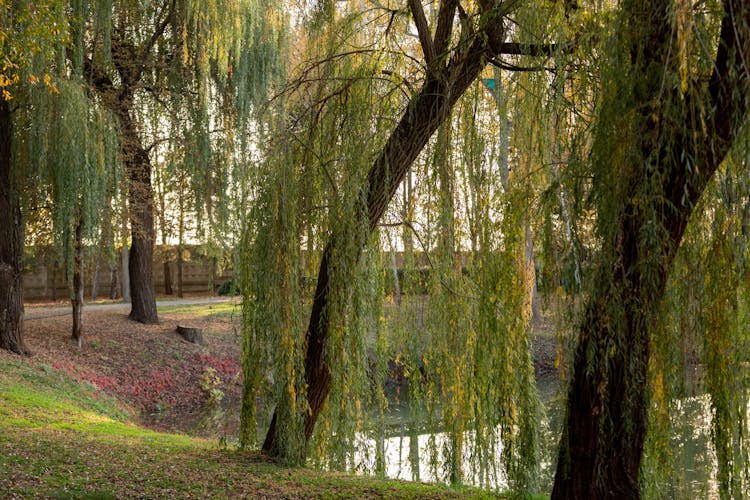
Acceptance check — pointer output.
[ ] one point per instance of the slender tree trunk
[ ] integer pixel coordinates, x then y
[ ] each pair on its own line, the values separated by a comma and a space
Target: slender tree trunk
180, 240
11, 244
114, 286
608, 401
77, 298
161, 197
54, 281
394, 265
528, 268
125, 254
533, 291
427, 111
95, 277
179, 271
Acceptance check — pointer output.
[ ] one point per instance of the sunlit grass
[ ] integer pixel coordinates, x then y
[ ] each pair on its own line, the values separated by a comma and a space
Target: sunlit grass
61, 439
221, 309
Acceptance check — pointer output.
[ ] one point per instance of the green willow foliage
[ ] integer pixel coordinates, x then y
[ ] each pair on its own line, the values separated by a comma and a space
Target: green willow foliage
527, 160
705, 319
65, 149
462, 350
701, 326
208, 70
313, 171
81, 159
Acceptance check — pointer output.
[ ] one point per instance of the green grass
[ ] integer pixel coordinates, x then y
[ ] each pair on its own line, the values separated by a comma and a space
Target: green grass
60, 439
220, 309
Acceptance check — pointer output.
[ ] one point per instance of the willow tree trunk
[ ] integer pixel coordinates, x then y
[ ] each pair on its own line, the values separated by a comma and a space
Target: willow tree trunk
425, 112
659, 182
11, 244
141, 210
77, 299
120, 100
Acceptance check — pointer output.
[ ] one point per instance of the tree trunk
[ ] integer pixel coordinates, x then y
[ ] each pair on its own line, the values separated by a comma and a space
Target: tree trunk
167, 277
54, 281
427, 111
141, 205
180, 240
11, 244
179, 271
608, 400
125, 255
77, 298
95, 278
138, 280
114, 286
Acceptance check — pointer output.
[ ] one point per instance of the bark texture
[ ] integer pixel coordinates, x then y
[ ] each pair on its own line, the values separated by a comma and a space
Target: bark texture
606, 422
131, 62
11, 244
77, 298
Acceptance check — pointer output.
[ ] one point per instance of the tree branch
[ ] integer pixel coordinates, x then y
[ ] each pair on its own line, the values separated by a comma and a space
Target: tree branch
444, 26
514, 67
161, 26
423, 30
536, 49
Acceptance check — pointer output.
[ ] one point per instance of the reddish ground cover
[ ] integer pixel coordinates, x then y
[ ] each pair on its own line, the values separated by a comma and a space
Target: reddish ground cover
149, 366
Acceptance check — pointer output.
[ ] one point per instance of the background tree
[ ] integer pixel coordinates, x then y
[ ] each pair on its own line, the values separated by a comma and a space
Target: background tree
155, 58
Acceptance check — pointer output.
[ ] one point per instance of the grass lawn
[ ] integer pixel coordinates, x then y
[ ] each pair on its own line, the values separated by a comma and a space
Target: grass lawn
63, 439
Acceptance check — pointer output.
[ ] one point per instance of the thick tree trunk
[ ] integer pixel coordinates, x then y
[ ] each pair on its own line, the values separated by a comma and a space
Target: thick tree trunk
167, 277
427, 111
138, 280
608, 400
77, 298
141, 210
11, 244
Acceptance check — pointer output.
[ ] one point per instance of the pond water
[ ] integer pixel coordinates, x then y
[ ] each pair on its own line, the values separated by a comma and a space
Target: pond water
405, 442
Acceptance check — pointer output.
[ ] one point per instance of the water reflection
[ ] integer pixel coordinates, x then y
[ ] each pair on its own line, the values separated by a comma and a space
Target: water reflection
404, 441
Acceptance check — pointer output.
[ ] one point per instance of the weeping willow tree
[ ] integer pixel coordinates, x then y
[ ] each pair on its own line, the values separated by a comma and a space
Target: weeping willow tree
674, 103
156, 57
29, 37
75, 151
358, 116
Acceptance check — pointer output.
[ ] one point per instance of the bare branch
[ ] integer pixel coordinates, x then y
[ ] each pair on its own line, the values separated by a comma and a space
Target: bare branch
161, 26
425, 39
444, 26
429, 259
519, 69
536, 49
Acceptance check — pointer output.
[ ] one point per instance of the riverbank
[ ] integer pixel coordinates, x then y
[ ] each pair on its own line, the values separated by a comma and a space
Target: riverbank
60, 438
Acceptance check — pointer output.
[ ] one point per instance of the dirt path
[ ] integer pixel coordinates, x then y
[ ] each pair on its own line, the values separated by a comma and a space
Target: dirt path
47, 311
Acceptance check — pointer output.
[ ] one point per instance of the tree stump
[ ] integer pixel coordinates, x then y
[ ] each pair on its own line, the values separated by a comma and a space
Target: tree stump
194, 335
